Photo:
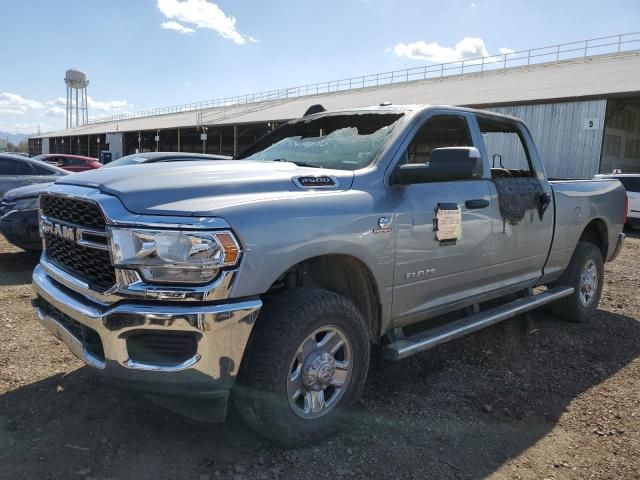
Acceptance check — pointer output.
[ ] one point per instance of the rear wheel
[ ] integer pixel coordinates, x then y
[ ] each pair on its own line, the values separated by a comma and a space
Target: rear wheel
306, 363
585, 274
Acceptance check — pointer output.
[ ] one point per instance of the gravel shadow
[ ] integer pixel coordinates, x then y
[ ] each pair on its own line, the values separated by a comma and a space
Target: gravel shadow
16, 267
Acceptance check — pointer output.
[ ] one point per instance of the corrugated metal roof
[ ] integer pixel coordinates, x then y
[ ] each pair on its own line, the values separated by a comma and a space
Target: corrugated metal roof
587, 77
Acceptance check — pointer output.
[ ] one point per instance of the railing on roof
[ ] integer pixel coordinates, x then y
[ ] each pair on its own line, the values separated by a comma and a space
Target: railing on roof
551, 54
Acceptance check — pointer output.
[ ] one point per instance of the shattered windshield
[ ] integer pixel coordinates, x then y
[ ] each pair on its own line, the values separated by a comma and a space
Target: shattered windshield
344, 142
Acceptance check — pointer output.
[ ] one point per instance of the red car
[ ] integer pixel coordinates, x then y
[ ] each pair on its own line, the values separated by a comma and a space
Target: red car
71, 163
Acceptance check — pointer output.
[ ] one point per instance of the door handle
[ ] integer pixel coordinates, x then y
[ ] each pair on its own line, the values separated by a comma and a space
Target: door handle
476, 203
545, 201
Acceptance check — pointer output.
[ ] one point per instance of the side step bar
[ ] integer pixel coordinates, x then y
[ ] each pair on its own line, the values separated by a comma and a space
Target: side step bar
406, 346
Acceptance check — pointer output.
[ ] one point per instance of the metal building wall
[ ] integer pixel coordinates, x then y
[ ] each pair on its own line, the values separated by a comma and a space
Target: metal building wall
567, 144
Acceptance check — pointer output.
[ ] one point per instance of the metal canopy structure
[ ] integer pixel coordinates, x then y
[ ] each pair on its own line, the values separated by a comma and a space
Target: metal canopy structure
580, 101
583, 77
554, 53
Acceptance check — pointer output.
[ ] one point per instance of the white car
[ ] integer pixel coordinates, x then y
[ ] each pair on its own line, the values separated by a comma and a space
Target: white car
631, 182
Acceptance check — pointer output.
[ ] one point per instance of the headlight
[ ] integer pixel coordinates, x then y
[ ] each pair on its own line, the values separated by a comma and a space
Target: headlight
164, 256
26, 204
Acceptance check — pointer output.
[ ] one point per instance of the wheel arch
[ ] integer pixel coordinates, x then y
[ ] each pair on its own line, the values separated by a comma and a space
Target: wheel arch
341, 273
596, 232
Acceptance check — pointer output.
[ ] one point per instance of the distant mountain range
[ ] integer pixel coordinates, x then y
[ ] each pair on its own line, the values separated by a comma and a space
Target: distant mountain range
15, 138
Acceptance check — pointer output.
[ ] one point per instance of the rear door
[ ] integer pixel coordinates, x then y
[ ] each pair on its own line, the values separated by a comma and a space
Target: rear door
65, 162
75, 164
521, 232
431, 272
44, 174
7, 175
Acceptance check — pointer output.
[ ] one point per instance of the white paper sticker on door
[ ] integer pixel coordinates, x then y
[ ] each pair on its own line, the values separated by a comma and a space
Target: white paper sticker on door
449, 222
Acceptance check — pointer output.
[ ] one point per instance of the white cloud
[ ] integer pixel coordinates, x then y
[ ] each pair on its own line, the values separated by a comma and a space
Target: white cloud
24, 127
468, 47
202, 14
16, 104
32, 112
109, 106
58, 106
176, 26
55, 111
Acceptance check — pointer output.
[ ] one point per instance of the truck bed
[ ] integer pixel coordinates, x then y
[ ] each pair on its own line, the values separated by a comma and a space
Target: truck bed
578, 203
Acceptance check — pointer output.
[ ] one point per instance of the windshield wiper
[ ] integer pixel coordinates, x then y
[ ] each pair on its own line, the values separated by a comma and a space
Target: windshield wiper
300, 164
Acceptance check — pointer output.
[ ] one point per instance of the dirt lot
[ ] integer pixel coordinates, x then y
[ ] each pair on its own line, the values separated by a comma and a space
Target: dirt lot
537, 399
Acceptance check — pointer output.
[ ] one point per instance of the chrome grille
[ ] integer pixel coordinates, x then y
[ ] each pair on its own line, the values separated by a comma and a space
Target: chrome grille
90, 265
74, 211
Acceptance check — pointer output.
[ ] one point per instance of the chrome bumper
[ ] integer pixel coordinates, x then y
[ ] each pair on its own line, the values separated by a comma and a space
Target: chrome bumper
222, 332
619, 245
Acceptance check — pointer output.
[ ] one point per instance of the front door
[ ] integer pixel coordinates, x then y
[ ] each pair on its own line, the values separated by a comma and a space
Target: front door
432, 271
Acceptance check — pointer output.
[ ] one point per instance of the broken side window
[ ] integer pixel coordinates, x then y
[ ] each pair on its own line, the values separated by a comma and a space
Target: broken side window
507, 151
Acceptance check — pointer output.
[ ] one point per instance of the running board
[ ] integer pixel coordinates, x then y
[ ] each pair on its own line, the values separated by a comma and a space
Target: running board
406, 346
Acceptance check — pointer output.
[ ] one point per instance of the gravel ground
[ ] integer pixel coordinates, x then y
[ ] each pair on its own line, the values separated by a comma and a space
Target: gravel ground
531, 398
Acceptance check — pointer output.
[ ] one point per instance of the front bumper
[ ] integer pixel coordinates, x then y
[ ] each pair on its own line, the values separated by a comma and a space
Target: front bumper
98, 335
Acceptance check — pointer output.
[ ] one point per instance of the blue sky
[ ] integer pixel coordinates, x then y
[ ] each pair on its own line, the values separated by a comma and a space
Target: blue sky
141, 54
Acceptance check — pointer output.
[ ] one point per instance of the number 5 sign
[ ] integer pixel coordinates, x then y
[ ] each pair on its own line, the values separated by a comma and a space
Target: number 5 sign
591, 124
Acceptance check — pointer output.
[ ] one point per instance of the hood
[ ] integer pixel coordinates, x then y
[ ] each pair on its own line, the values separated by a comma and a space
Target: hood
26, 192
191, 188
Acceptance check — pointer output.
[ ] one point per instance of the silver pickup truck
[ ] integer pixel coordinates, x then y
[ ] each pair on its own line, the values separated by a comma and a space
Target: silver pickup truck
271, 276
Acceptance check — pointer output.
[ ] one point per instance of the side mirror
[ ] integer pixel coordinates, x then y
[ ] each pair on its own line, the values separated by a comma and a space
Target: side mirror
446, 165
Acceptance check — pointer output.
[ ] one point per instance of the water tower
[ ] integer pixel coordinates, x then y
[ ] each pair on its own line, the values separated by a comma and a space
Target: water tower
76, 81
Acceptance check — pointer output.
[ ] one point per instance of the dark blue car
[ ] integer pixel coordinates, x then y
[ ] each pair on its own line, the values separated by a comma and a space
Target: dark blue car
19, 216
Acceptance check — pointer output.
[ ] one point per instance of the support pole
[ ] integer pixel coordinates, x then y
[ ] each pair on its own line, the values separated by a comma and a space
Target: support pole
179, 140
68, 107
77, 116
235, 140
203, 131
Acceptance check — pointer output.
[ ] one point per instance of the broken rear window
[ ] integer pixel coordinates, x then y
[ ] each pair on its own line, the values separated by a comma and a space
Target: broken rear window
345, 142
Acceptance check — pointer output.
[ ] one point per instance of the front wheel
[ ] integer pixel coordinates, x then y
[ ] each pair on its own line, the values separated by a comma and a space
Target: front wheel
585, 274
306, 363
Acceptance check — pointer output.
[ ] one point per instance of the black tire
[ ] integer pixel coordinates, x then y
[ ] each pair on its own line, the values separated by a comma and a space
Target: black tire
283, 325
572, 307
